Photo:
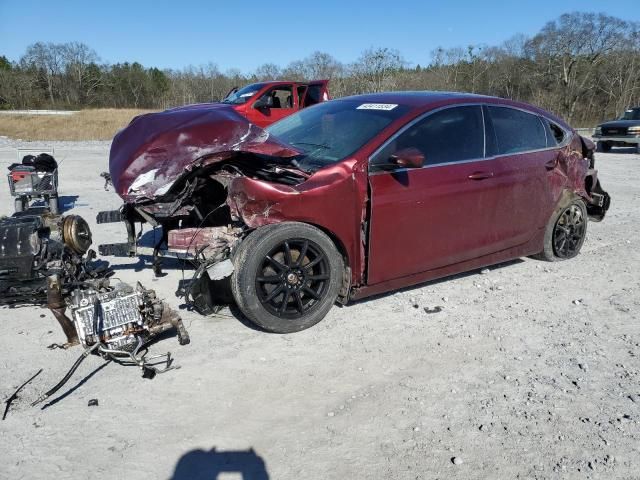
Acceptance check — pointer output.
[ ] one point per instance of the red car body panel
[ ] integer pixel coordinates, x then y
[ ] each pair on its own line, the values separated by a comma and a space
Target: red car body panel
331, 199
394, 228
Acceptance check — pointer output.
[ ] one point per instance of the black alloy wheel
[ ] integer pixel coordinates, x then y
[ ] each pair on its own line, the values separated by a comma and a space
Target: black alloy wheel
292, 278
569, 232
286, 276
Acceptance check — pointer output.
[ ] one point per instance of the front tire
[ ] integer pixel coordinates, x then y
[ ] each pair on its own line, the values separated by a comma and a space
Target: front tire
566, 230
287, 276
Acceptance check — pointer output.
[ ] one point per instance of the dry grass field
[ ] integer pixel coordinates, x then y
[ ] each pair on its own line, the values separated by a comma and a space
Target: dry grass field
97, 124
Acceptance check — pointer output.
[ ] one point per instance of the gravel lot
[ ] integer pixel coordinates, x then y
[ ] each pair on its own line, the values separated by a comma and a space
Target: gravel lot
531, 370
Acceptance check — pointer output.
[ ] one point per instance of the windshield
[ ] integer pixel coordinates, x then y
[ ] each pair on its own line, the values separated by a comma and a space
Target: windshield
633, 114
332, 131
244, 94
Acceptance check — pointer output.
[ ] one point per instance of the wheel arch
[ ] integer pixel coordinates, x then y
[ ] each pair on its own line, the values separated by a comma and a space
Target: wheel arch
343, 296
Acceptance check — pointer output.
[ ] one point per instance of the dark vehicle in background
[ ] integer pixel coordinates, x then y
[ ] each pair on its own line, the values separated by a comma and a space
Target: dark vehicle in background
267, 102
355, 196
624, 132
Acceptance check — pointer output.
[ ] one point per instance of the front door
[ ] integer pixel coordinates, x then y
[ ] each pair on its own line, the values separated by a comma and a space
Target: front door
440, 214
277, 103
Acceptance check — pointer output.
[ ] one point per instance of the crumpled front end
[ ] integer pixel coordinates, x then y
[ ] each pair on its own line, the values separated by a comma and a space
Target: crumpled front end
155, 150
174, 170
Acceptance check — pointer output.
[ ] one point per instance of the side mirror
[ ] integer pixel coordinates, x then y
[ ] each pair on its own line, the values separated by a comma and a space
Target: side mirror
266, 101
408, 158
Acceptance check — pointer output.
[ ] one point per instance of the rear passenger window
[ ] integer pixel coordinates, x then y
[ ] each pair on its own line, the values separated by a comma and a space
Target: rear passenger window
450, 135
555, 134
517, 131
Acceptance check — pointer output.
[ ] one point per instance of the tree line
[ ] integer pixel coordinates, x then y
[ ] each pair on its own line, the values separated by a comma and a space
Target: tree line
582, 66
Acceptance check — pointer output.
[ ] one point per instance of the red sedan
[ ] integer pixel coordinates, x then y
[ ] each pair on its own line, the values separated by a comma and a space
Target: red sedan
356, 196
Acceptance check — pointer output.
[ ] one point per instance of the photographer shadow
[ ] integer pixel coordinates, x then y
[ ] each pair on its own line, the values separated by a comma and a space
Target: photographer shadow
208, 465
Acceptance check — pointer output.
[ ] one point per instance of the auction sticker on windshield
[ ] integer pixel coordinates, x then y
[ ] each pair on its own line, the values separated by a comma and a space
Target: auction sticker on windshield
377, 106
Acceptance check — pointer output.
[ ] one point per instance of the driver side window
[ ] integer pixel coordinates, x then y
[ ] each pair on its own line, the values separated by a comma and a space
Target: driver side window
447, 136
279, 97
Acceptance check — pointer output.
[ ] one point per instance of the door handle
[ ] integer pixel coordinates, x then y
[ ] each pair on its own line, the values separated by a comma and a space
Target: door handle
551, 164
480, 175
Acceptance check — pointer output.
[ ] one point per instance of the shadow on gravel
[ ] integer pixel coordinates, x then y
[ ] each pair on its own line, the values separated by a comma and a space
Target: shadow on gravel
76, 386
65, 203
208, 465
436, 281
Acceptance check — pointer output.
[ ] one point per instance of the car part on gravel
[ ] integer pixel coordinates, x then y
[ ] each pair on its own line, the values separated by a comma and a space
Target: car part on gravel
118, 323
122, 319
107, 180
34, 247
14, 395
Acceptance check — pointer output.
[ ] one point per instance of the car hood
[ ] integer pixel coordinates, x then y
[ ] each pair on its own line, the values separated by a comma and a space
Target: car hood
620, 123
155, 149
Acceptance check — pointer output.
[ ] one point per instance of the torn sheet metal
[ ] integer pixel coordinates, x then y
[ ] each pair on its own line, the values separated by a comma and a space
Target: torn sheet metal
154, 149
204, 242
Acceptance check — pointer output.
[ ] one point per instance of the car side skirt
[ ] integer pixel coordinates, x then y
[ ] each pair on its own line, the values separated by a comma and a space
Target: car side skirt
532, 247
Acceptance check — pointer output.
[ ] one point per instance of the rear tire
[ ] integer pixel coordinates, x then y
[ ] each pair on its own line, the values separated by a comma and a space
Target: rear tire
603, 147
566, 230
277, 289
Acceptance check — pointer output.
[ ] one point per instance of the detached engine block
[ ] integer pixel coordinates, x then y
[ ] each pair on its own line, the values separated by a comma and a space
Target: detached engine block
123, 318
33, 247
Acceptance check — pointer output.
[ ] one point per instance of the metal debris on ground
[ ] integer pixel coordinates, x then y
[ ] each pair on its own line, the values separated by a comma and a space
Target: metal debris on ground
107, 180
436, 309
14, 396
35, 245
45, 259
118, 323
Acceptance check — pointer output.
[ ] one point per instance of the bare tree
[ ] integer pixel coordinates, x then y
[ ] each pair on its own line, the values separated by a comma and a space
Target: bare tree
374, 71
78, 59
47, 60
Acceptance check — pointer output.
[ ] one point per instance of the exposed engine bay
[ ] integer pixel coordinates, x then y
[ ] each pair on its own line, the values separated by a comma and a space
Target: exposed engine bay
198, 223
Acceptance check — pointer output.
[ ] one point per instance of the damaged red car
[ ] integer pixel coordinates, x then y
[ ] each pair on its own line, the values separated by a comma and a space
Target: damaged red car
352, 197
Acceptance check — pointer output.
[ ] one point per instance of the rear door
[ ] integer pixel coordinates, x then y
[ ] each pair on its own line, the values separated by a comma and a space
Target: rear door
438, 215
525, 158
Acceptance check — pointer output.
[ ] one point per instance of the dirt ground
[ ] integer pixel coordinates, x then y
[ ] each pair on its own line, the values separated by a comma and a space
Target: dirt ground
531, 370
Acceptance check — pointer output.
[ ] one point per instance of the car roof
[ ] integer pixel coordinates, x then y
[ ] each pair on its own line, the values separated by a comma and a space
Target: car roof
285, 82
425, 100
416, 98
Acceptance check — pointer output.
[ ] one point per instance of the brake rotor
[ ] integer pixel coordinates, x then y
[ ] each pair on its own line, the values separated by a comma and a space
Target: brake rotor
76, 234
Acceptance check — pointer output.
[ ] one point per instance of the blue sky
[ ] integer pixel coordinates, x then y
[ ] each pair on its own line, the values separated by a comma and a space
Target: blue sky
245, 34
